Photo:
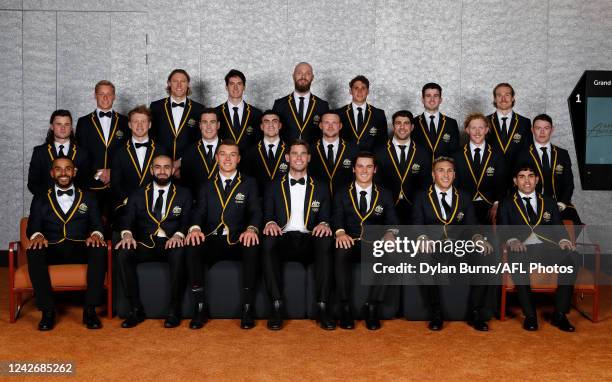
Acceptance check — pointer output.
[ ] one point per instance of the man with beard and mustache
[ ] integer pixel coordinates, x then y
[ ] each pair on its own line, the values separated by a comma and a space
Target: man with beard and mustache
65, 227
152, 229
301, 110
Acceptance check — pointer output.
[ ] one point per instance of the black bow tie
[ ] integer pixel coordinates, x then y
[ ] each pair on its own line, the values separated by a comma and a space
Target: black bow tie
108, 114
67, 192
139, 145
300, 181
180, 104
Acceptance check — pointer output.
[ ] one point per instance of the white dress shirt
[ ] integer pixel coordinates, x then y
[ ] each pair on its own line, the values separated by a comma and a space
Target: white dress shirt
177, 112
398, 150
473, 148
212, 143
296, 217
66, 148
296, 99
105, 123
538, 148
335, 145
65, 201
448, 198
501, 122
230, 108
267, 144
356, 112
532, 239
223, 179
156, 189
368, 196
428, 119
141, 152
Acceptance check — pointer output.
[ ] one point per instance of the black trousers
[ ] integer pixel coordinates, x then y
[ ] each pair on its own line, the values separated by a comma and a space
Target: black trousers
343, 259
214, 249
547, 254
300, 247
128, 259
66, 252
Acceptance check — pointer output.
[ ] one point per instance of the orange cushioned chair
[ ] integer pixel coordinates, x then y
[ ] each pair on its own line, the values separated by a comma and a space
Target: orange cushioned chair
64, 277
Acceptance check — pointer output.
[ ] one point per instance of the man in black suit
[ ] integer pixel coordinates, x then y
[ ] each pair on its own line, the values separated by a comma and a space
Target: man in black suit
60, 142
224, 226
404, 167
266, 161
301, 110
355, 205
131, 164
239, 120
554, 167
153, 229
297, 211
480, 169
530, 225
175, 118
510, 131
64, 227
436, 132
363, 124
199, 162
332, 156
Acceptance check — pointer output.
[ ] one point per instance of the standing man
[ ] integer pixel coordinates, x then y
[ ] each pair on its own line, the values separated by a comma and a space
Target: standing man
239, 120
355, 205
152, 229
404, 166
364, 124
175, 118
224, 226
436, 132
297, 212
301, 110
64, 227
59, 143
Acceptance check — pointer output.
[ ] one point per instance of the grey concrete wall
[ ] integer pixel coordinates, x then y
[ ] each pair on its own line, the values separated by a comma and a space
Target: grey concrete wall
53, 52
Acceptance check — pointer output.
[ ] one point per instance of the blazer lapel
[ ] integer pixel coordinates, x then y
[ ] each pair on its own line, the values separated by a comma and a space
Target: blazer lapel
308, 199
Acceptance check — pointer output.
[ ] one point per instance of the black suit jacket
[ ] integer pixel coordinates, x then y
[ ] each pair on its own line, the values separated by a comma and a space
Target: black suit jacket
195, 170
90, 136
237, 211
39, 179
256, 164
317, 203
250, 131
47, 217
292, 128
427, 209
140, 220
488, 184
163, 129
446, 141
519, 136
342, 172
126, 174
374, 132
346, 216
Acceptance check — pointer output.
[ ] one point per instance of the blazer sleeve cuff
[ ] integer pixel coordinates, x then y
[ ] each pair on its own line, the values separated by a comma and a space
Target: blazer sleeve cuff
193, 228
253, 229
564, 241
179, 234
270, 222
98, 233
36, 234
338, 231
125, 231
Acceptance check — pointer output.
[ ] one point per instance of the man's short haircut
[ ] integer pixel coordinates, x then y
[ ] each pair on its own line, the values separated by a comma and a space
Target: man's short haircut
441, 159
160, 156
104, 83
523, 166
543, 117
332, 112
60, 113
234, 73
474, 116
299, 142
181, 71
62, 158
431, 85
360, 78
210, 110
403, 113
140, 109
365, 154
502, 85
269, 112
229, 142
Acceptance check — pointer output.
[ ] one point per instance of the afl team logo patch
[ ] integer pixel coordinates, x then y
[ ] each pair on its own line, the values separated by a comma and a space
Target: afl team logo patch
315, 205
517, 137
446, 137
490, 171
373, 131
83, 208
119, 134
191, 122
249, 130
283, 167
316, 119
177, 210
416, 167
559, 169
379, 209
546, 216
346, 163
239, 198
460, 216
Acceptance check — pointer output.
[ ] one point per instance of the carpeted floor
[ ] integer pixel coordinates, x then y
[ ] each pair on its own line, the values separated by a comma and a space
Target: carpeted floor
401, 350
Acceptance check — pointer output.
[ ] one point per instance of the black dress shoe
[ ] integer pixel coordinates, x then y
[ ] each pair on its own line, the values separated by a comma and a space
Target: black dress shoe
371, 316
325, 320
477, 323
560, 321
247, 321
135, 317
90, 318
436, 323
346, 317
47, 322
200, 316
172, 320
530, 323
275, 322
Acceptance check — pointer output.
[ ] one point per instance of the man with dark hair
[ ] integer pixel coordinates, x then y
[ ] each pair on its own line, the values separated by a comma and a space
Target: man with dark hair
266, 161
510, 131
364, 124
64, 227
436, 132
59, 143
404, 166
175, 118
301, 110
152, 229
355, 205
297, 211
238, 119
332, 156
537, 236
225, 225
553, 165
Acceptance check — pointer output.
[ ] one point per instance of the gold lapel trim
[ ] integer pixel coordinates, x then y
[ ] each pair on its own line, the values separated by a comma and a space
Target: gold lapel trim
230, 125
311, 106
272, 173
435, 206
209, 171
365, 124
504, 147
373, 198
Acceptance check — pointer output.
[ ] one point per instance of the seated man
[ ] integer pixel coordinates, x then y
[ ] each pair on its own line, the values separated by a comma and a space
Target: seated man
152, 229
360, 203
539, 238
225, 226
297, 212
65, 224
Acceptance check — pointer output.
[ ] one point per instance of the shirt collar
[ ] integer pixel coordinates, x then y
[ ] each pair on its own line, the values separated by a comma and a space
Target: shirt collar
296, 96
175, 101
532, 195
305, 177
157, 187
268, 142
66, 146
98, 110
363, 107
449, 192
69, 188
232, 177
509, 115
428, 114
539, 145
481, 146
231, 106
368, 190
396, 143
134, 141
335, 143
213, 142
